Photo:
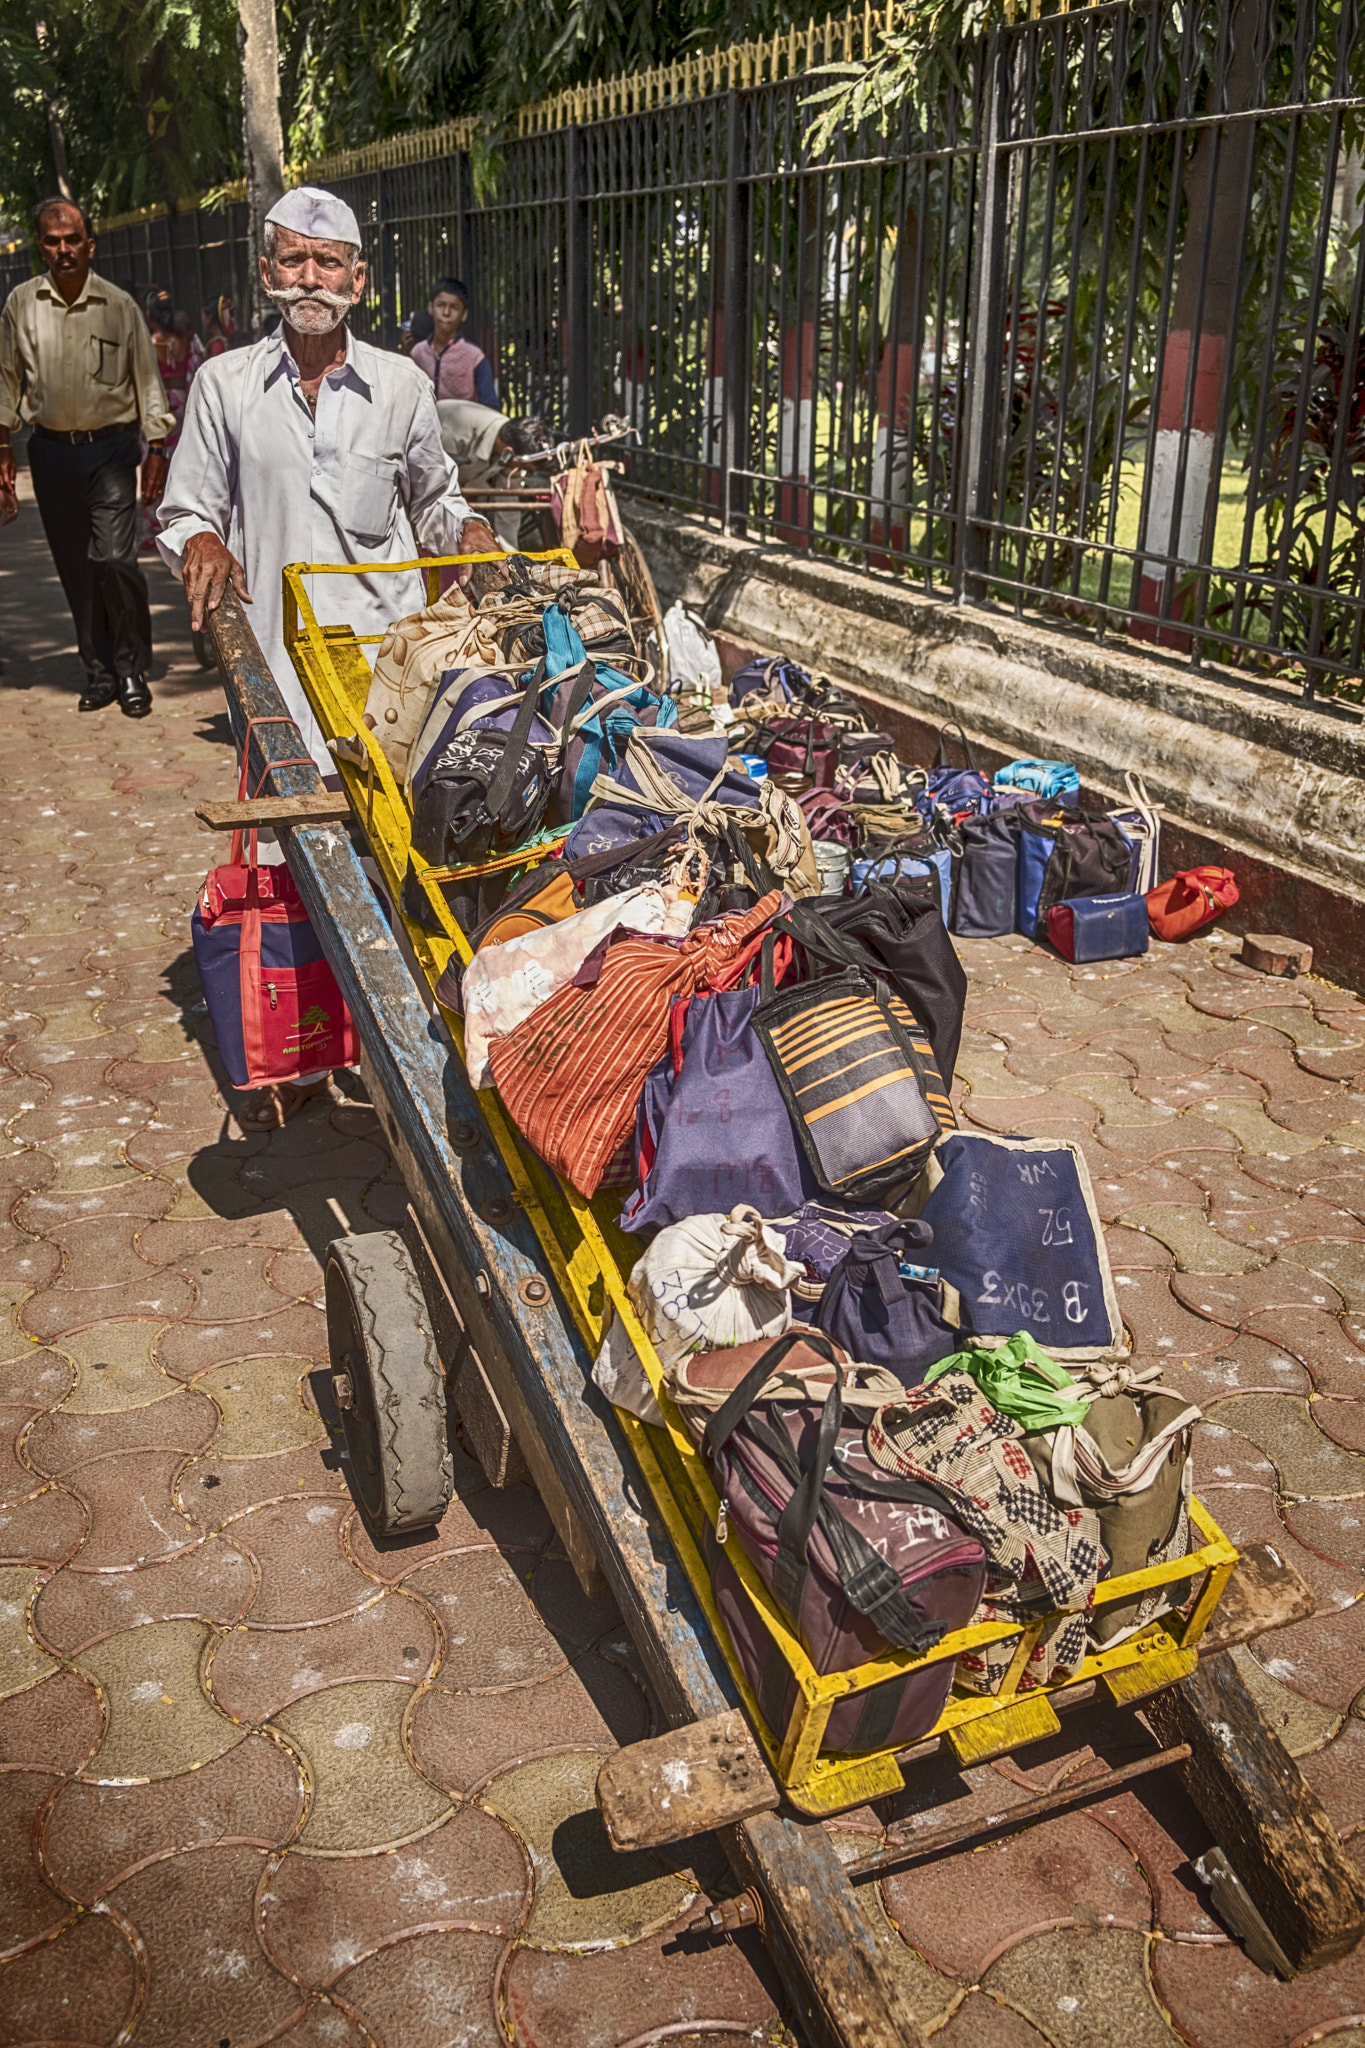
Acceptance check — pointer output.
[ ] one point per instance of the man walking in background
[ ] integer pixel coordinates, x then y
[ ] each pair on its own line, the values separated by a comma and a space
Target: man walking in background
76, 359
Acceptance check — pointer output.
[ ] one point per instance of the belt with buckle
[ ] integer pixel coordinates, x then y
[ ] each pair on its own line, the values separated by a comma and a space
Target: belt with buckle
78, 436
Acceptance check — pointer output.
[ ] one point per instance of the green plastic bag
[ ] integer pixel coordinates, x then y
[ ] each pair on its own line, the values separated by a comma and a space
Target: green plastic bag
1021, 1381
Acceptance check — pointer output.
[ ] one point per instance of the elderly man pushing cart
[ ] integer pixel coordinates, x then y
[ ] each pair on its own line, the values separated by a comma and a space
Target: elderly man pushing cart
311, 446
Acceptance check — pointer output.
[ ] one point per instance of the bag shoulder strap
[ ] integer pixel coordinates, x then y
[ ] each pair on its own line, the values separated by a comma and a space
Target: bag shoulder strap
955, 725
500, 788
740, 1400
869, 1583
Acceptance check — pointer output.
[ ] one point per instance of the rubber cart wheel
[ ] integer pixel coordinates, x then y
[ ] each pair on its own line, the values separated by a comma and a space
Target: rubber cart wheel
386, 1376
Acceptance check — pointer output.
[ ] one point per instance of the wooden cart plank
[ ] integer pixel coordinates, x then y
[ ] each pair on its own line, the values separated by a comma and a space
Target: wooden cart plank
1264, 1815
253, 813
838, 1966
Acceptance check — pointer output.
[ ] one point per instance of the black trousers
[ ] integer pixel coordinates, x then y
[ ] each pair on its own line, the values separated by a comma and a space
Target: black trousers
87, 495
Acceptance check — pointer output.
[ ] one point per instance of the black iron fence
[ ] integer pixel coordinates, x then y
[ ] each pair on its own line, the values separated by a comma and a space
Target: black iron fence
1082, 336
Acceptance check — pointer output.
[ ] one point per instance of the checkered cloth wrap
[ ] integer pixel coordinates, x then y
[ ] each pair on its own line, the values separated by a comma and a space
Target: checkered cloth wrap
1041, 1558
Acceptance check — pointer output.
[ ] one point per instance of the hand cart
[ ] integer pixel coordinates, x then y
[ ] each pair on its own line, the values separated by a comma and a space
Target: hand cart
519, 1274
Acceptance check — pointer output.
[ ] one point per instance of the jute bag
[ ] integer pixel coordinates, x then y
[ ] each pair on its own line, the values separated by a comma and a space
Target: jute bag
412, 658
1128, 1462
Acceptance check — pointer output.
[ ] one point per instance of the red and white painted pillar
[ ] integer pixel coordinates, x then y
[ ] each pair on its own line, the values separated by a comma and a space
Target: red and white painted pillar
1198, 443
890, 480
1216, 189
796, 432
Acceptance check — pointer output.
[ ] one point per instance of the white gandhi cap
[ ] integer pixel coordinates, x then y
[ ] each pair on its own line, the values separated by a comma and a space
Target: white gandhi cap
319, 215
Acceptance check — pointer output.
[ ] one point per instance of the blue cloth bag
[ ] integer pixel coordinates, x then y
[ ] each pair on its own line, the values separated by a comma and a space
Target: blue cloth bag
691, 762
1040, 778
1086, 928
987, 878
715, 1131
884, 1307
1016, 1231
1035, 851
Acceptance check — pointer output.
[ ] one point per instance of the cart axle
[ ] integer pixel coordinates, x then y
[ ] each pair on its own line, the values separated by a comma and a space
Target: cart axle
742, 1911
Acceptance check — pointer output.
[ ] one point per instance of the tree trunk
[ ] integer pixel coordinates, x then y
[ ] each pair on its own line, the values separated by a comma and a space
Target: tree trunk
56, 133
1216, 184
58, 137
262, 139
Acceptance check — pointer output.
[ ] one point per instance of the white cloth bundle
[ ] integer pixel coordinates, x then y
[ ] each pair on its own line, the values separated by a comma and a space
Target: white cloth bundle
703, 1284
691, 659
503, 984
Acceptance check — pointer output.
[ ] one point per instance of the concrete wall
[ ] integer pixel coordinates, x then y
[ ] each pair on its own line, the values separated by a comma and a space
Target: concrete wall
1246, 777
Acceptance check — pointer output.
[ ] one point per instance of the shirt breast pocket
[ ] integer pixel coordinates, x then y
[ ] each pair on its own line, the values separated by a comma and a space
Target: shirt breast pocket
368, 493
108, 360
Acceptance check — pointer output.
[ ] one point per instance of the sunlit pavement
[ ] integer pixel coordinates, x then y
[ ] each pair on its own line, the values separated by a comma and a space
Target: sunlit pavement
268, 1782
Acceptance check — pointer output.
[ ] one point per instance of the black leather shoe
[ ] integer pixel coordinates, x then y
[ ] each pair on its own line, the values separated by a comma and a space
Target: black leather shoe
99, 691
134, 698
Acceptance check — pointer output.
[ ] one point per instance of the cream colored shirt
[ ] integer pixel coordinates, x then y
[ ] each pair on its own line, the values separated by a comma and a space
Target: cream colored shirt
73, 367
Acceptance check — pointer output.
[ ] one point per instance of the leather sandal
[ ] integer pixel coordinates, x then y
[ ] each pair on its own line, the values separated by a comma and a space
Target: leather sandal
266, 1109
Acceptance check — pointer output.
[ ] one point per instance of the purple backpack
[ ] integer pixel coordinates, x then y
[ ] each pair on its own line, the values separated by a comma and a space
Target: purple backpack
770, 676
959, 790
856, 1562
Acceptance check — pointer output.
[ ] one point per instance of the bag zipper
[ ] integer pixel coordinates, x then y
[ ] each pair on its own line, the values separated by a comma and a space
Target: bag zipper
723, 1520
271, 986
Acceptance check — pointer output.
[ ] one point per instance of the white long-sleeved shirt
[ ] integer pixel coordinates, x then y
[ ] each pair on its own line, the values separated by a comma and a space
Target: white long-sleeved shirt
364, 481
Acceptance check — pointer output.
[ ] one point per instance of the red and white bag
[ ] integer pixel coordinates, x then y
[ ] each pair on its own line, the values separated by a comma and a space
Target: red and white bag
273, 1000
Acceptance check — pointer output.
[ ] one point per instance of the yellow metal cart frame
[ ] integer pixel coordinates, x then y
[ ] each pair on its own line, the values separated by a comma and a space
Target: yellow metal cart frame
590, 1258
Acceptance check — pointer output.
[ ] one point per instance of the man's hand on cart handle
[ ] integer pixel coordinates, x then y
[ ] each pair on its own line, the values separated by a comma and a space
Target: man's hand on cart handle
476, 538
208, 570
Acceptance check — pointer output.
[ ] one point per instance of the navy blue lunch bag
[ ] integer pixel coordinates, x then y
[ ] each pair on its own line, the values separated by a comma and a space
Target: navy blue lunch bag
1017, 1233
987, 888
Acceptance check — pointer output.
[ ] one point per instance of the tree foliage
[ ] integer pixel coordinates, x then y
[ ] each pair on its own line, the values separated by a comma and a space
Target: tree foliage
358, 69
146, 95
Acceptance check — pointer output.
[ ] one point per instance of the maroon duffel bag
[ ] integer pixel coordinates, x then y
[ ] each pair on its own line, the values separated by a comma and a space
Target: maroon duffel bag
858, 1562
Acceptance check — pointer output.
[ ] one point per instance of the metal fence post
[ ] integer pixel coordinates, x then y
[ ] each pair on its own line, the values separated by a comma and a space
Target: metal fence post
983, 345
577, 260
463, 200
388, 283
738, 324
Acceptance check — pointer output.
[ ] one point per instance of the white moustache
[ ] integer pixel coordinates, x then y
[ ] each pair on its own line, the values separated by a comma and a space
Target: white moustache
291, 295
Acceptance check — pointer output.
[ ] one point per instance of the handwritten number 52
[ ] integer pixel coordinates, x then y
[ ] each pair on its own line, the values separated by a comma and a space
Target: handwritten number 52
1056, 1226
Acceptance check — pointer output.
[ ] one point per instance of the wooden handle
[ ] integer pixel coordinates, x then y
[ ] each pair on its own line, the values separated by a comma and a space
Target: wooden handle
254, 812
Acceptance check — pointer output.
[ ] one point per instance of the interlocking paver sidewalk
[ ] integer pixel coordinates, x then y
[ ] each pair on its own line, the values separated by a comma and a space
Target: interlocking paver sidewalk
261, 1779
265, 1780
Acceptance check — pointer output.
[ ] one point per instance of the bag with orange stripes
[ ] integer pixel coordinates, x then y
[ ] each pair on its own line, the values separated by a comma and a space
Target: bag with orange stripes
859, 1080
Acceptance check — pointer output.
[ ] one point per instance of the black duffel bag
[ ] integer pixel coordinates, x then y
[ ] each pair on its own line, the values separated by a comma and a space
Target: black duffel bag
895, 930
486, 792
